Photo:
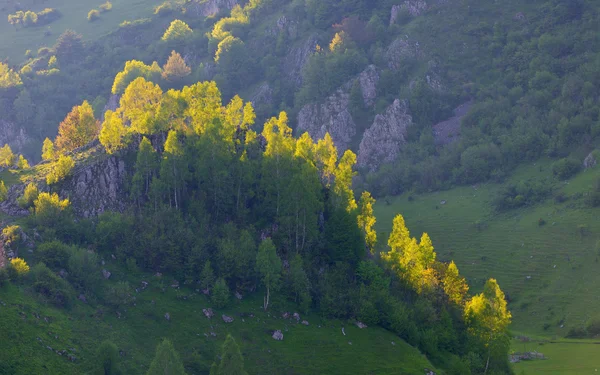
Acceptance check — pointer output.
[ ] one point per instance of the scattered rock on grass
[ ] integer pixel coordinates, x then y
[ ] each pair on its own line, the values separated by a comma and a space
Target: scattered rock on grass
106, 274
168, 316
227, 319
278, 335
305, 322
361, 325
208, 312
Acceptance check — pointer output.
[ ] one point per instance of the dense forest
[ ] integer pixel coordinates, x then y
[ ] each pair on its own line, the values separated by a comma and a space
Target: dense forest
255, 137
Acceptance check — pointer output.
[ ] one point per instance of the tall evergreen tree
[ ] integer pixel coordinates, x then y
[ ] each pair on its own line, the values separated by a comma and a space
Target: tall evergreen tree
166, 361
232, 361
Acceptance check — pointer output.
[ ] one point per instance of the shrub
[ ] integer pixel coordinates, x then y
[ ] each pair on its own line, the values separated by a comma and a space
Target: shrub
106, 7
163, 9
20, 266
4, 278
49, 207
29, 196
83, 269
11, 235
7, 157
44, 51
177, 30
93, 15
62, 168
3, 191
566, 168
49, 285
541, 222
220, 294
47, 16
118, 294
55, 254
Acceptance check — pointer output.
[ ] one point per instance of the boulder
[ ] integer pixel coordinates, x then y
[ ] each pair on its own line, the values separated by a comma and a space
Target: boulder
82, 298
238, 295
381, 143
208, 312
361, 325
285, 315
106, 274
278, 335
168, 317
227, 319
305, 322
297, 317
589, 161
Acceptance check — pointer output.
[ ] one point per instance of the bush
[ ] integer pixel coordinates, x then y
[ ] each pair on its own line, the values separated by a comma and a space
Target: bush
54, 254
45, 282
93, 15
541, 222
220, 294
3, 191
119, 294
106, 7
4, 278
63, 167
29, 196
163, 9
566, 168
49, 209
83, 269
20, 266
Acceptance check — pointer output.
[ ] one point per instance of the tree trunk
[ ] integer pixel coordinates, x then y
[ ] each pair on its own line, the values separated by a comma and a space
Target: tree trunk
266, 299
487, 362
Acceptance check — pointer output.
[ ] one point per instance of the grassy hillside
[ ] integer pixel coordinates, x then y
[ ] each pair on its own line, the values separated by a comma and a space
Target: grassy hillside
14, 42
318, 348
549, 272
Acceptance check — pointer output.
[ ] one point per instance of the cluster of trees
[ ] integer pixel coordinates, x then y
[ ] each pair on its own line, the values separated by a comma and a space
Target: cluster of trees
29, 18
9, 160
217, 203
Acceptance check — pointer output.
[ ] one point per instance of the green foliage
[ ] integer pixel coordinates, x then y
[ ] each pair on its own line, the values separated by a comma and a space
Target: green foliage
177, 30
93, 15
566, 168
83, 268
106, 7
139, 105
3, 191
163, 9
166, 361
268, 266
231, 360
77, 129
107, 358
7, 158
521, 194
20, 266
207, 277
49, 208
118, 295
220, 294
61, 169
29, 196
112, 132
50, 286
135, 69
11, 235
8, 77
54, 254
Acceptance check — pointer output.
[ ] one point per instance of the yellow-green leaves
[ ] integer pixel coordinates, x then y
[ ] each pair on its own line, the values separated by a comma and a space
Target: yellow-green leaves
48, 150
366, 220
61, 169
135, 69
140, 103
112, 133
177, 30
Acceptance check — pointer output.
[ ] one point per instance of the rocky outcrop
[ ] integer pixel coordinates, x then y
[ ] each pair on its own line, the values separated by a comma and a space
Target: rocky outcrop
262, 95
448, 131
333, 114
10, 206
16, 138
590, 161
283, 25
209, 8
401, 49
97, 187
297, 58
383, 140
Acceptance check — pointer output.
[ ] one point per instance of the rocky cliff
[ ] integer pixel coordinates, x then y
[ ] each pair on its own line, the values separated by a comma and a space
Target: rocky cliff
381, 143
10, 134
333, 114
209, 8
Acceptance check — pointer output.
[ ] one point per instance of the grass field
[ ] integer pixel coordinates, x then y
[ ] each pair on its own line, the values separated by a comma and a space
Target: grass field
14, 43
318, 348
565, 357
550, 273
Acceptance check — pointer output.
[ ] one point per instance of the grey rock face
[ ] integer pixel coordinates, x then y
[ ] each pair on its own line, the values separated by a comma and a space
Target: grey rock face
16, 138
97, 187
263, 95
448, 131
401, 49
382, 141
211, 7
589, 161
297, 58
333, 115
